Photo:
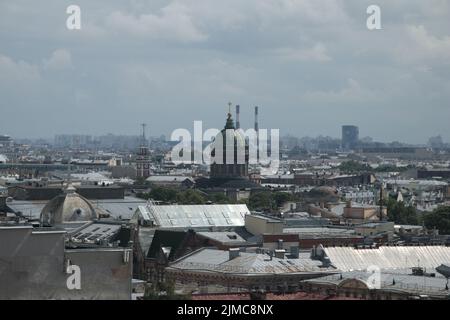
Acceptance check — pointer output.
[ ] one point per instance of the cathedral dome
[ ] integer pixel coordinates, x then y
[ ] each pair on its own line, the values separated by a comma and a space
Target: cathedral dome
68, 207
229, 133
230, 159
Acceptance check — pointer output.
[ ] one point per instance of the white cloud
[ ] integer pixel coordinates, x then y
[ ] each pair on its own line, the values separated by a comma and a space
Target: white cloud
17, 72
351, 93
60, 59
427, 46
277, 53
317, 53
174, 22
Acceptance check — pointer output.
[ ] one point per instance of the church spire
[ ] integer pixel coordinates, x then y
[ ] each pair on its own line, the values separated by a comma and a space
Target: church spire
230, 123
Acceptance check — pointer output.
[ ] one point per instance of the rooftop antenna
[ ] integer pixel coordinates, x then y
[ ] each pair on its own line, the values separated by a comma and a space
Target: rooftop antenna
143, 133
238, 122
69, 180
381, 201
257, 133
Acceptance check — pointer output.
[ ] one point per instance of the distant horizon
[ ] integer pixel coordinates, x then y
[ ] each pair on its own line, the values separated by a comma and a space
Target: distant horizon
282, 135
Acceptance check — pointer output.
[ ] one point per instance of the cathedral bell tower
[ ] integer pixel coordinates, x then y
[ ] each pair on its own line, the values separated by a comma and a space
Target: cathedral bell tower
143, 158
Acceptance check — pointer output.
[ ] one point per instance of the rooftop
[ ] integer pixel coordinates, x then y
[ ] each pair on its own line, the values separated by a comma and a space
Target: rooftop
212, 260
388, 257
398, 281
195, 216
230, 238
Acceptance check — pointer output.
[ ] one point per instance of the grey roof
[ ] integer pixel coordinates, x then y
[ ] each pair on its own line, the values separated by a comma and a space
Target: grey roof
27, 208
350, 259
168, 178
317, 232
124, 208
115, 207
417, 183
196, 216
211, 260
224, 237
396, 281
95, 232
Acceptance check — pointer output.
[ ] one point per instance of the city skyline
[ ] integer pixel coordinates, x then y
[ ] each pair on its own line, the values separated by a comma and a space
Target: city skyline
284, 135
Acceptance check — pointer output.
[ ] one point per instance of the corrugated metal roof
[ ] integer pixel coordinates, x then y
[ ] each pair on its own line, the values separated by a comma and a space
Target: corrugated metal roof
115, 207
27, 208
124, 208
401, 281
320, 232
249, 263
182, 216
223, 237
350, 259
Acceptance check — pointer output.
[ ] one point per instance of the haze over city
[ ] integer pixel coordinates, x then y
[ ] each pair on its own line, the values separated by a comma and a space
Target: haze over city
311, 66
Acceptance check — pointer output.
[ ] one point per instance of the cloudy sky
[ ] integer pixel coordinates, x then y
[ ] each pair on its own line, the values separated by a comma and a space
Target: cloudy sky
311, 66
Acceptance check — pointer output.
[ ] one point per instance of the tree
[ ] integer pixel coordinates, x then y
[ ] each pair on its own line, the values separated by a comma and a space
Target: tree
140, 181
163, 291
161, 194
220, 198
354, 166
261, 201
281, 198
190, 197
401, 214
439, 219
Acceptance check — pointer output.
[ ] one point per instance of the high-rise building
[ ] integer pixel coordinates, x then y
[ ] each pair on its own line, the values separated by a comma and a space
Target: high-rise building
350, 137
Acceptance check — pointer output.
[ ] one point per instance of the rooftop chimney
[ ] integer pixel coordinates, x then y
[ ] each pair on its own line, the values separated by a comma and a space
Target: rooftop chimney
233, 253
238, 122
280, 243
279, 253
257, 131
256, 119
294, 252
2, 202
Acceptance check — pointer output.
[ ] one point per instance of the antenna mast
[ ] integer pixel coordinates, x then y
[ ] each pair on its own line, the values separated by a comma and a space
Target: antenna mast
143, 133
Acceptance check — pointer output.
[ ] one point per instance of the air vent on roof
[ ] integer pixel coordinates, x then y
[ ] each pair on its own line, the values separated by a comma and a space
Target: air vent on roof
233, 253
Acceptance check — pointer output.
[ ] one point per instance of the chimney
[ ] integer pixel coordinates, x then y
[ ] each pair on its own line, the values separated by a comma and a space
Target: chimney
256, 119
238, 112
279, 253
280, 243
233, 253
294, 252
257, 133
2, 202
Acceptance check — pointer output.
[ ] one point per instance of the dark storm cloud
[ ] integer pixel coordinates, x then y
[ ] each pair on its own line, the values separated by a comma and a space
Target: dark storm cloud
310, 66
